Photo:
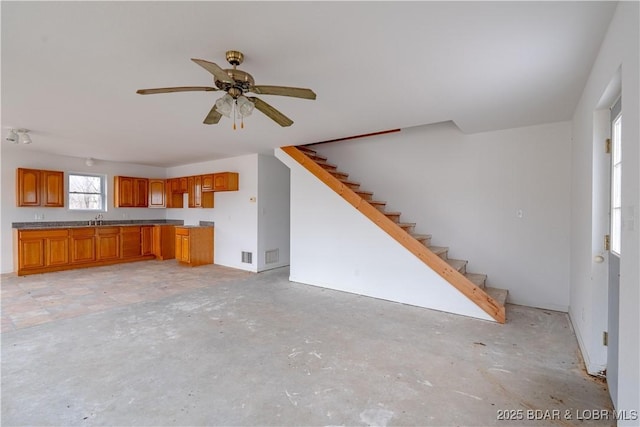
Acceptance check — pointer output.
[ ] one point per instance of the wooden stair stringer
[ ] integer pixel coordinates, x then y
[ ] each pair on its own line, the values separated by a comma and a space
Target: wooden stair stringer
474, 293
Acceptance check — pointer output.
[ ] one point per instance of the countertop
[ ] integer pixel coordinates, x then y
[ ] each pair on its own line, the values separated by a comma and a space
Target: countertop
105, 223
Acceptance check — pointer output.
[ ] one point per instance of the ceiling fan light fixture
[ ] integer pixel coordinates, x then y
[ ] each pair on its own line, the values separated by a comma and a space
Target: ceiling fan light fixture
224, 105
245, 107
12, 136
24, 136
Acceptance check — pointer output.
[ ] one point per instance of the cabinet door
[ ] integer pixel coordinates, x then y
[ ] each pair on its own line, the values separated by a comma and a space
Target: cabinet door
207, 182
31, 253
181, 253
123, 197
225, 181
52, 189
83, 248
57, 250
141, 192
131, 242
28, 187
184, 187
108, 244
146, 235
156, 193
195, 191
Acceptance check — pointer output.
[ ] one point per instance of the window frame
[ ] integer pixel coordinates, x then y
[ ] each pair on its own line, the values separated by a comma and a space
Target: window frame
102, 193
615, 206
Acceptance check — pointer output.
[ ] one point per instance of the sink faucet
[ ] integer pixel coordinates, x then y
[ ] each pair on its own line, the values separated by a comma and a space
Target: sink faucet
97, 220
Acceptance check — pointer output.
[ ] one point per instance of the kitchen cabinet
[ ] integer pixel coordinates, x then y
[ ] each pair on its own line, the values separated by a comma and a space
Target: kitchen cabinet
146, 239
197, 197
54, 249
164, 241
35, 187
108, 243
39, 249
194, 245
130, 241
225, 181
130, 192
207, 182
83, 245
157, 193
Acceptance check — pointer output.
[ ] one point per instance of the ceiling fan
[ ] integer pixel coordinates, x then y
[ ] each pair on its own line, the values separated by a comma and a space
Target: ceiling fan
236, 83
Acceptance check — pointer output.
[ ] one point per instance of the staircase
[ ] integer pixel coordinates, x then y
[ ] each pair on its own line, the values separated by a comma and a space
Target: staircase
472, 285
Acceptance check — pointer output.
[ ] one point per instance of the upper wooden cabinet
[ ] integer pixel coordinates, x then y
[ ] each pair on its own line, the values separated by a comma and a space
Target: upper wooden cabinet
207, 182
156, 193
35, 187
130, 192
225, 181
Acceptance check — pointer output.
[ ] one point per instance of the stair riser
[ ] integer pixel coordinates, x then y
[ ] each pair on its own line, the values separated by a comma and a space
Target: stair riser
327, 166
339, 175
351, 185
393, 217
408, 228
426, 241
317, 158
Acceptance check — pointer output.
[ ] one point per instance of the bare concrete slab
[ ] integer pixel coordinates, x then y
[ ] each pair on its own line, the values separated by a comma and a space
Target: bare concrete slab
264, 351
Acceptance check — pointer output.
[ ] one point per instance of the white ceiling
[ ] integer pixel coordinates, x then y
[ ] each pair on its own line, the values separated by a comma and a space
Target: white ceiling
70, 70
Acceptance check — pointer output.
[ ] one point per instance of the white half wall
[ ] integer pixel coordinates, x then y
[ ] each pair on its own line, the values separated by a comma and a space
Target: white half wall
335, 246
273, 212
14, 157
467, 192
234, 213
620, 50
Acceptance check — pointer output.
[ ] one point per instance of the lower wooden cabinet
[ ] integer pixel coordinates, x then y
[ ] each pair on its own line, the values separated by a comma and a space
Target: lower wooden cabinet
83, 245
40, 251
164, 241
194, 245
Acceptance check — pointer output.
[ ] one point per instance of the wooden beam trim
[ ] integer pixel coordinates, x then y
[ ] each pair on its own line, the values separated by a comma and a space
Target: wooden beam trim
440, 266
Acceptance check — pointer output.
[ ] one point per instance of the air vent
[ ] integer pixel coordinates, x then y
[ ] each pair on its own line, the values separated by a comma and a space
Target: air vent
247, 257
272, 256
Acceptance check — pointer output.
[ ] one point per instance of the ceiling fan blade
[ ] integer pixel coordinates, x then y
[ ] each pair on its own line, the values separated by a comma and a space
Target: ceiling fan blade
213, 117
214, 69
271, 112
175, 89
296, 92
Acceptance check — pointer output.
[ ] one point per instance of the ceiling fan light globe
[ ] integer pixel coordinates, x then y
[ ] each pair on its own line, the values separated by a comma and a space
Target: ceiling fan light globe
245, 107
25, 138
12, 136
224, 105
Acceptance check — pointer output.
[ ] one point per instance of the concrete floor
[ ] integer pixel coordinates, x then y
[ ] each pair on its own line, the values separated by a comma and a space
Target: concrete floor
260, 350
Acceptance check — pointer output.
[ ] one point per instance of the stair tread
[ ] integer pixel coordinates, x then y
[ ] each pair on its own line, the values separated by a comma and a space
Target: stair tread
499, 295
421, 236
407, 223
392, 213
346, 181
327, 165
373, 202
456, 263
306, 149
438, 249
477, 279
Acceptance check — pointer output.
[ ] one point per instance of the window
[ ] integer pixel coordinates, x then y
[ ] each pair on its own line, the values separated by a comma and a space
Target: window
616, 183
87, 192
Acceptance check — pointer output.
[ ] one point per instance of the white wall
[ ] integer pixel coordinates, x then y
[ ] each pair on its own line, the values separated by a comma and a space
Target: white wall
24, 157
234, 214
620, 50
466, 190
273, 211
335, 246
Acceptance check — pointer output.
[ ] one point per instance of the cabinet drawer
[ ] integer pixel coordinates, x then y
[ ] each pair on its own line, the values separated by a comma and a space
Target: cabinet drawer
89, 231
38, 234
108, 230
131, 229
182, 231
